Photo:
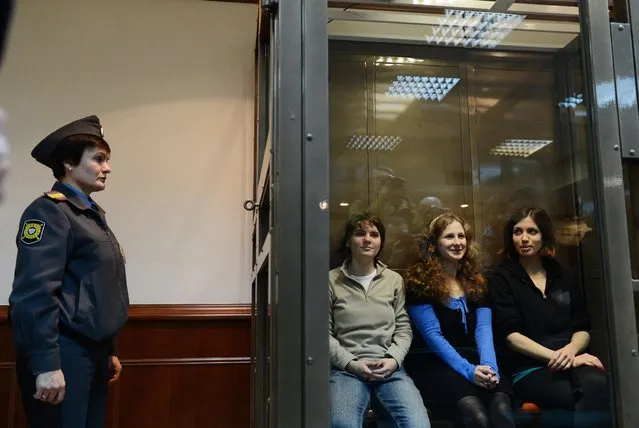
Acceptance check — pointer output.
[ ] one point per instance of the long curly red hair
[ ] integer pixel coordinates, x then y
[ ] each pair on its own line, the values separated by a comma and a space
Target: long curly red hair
426, 280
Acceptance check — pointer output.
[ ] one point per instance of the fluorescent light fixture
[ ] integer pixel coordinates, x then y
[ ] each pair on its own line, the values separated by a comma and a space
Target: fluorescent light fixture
519, 148
343, 204
421, 87
389, 108
373, 142
464, 206
400, 60
573, 101
471, 29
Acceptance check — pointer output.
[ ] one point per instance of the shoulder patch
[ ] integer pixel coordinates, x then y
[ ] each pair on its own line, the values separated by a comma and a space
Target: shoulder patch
32, 231
56, 196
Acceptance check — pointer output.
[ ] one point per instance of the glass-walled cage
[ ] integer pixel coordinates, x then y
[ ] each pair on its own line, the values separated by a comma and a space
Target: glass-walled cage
483, 134
445, 123
475, 107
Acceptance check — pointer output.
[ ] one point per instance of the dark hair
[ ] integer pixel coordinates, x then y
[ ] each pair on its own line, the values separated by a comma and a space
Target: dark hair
355, 222
543, 222
71, 149
426, 281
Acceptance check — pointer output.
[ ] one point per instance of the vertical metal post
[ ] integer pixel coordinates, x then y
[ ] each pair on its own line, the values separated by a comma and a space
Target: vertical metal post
610, 200
287, 235
631, 15
625, 85
301, 224
316, 212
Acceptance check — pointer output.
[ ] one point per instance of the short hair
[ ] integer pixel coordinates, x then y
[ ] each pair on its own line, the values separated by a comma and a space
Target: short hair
543, 222
71, 150
356, 221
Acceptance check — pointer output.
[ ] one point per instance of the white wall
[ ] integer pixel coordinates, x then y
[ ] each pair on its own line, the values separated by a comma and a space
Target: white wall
172, 81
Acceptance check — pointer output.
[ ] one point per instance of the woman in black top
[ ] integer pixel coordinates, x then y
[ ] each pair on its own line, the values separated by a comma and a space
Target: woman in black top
540, 313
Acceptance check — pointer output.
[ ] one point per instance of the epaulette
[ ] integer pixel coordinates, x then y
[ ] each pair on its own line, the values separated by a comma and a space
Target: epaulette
56, 196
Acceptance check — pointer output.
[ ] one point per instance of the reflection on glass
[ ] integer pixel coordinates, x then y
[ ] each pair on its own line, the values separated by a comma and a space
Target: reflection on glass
473, 29
489, 107
491, 143
349, 175
423, 177
373, 142
421, 87
519, 147
510, 105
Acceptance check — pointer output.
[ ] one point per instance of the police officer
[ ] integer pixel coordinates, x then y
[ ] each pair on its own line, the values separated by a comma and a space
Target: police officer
69, 297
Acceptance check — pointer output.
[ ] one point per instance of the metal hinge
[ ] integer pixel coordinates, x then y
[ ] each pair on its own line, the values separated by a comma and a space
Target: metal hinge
269, 5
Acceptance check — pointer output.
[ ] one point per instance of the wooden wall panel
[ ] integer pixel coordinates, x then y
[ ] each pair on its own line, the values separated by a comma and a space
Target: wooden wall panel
193, 339
6, 378
201, 388
184, 366
144, 397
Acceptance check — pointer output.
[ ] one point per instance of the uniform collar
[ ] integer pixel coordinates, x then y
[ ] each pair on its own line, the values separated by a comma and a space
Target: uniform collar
75, 197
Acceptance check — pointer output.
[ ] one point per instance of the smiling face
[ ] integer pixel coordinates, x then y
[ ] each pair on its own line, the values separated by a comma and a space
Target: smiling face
90, 174
527, 238
452, 243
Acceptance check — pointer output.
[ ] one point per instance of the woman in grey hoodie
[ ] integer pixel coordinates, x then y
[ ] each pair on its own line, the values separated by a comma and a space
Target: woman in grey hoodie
370, 334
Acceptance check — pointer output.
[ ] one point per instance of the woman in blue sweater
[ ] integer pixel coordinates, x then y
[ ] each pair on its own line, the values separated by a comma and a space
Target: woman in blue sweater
454, 366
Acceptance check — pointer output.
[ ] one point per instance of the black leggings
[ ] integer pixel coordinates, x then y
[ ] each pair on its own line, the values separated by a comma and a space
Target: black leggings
473, 413
578, 397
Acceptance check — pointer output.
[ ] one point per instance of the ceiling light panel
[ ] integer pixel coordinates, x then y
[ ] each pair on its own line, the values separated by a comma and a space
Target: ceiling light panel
392, 60
472, 29
382, 143
519, 147
421, 87
573, 101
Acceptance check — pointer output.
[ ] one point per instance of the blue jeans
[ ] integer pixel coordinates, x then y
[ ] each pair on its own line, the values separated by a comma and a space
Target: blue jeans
397, 398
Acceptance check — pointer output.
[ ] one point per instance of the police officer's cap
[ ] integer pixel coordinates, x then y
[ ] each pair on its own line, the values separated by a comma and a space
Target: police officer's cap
89, 125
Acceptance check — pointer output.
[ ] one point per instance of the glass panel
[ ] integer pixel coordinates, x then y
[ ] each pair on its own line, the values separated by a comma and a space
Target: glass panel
474, 112
349, 168
262, 323
264, 216
578, 238
631, 180
422, 174
264, 108
512, 105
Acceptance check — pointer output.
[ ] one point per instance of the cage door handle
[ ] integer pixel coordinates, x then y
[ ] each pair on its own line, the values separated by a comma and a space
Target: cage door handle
250, 205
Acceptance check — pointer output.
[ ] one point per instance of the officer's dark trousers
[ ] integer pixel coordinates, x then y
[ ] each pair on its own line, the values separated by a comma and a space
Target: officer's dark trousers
85, 366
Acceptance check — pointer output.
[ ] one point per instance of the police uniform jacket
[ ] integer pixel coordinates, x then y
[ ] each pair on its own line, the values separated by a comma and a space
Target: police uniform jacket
69, 278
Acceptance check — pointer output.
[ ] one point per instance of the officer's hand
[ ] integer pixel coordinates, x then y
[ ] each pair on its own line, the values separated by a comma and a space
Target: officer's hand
115, 367
50, 387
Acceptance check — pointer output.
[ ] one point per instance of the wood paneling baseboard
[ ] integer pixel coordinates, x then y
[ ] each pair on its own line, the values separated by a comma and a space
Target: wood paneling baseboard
185, 366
